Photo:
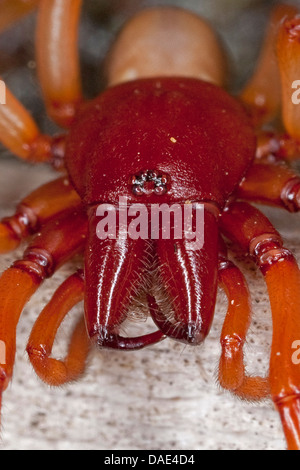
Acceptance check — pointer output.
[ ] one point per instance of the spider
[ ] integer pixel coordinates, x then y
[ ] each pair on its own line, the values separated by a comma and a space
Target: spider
163, 132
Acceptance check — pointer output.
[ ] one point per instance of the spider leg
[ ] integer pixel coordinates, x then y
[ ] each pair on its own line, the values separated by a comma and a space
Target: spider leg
250, 229
13, 10
272, 145
57, 242
237, 321
231, 369
288, 52
57, 58
39, 347
58, 70
262, 93
21, 135
35, 210
58, 372
286, 145
271, 184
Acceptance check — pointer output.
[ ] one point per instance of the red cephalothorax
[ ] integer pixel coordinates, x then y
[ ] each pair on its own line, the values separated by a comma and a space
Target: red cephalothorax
180, 128
159, 173
183, 127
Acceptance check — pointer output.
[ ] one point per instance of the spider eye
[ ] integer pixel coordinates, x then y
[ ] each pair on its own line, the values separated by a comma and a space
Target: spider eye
149, 182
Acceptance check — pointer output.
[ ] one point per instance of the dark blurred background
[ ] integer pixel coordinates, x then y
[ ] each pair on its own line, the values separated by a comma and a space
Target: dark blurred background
240, 23
159, 398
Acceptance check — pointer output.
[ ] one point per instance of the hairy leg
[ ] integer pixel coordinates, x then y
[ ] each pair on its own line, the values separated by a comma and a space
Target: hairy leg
272, 184
57, 58
288, 52
232, 369
53, 246
254, 233
286, 145
262, 93
35, 210
53, 371
21, 135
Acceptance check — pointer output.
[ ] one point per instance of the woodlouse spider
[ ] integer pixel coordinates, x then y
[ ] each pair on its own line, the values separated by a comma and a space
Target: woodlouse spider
163, 132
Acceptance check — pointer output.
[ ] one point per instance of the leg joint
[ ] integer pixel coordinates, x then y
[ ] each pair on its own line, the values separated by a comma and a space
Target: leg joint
23, 223
267, 250
38, 262
290, 195
286, 398
232, 342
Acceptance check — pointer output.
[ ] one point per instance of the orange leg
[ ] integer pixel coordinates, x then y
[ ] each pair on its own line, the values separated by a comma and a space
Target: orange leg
263, 92
57, 58
285, 145
57, 242
249, 228
50, 370
35, 210
58, 70
20, 134
272, 184
275, 146
13, 10
232, 370
288, 52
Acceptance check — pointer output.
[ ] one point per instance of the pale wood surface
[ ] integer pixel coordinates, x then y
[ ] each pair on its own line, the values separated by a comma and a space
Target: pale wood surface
165, 397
